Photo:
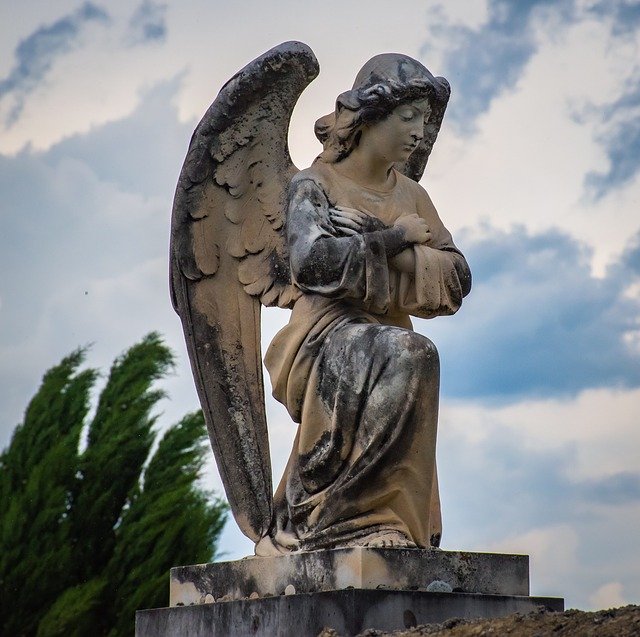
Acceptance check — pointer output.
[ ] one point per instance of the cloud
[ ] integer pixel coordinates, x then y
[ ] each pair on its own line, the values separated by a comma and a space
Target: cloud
553, 555
631, 258
621, 488
625, 14
515, 480
85, 242
487, 58
525, 484
620, 136
538, 322
609, 595
529, 158
148, 23
141, 153
36, 53
581, 450
208, 42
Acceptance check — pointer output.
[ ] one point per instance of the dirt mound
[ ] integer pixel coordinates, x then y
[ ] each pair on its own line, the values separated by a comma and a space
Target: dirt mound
615, 622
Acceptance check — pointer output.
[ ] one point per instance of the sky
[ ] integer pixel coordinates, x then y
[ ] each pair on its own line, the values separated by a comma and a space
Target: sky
536, 172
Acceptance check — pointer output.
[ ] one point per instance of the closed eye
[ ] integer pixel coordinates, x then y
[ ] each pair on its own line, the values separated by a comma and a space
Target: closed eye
407, 117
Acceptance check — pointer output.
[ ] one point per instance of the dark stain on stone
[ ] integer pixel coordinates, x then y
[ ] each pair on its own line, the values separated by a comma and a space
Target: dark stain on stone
409, 619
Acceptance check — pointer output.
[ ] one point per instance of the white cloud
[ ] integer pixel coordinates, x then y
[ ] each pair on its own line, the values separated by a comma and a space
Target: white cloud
502, 494
528, 161
609, 595
471, 14
599, 426
553, 555
87, 87
16, 25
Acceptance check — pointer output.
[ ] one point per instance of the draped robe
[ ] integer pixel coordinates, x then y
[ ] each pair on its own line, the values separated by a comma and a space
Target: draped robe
349, 368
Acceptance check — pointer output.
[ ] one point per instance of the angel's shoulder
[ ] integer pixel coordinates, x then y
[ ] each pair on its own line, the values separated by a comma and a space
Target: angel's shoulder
310, 182
316, 173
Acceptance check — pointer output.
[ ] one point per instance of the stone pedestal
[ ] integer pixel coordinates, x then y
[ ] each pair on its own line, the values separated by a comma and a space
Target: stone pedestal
349, 590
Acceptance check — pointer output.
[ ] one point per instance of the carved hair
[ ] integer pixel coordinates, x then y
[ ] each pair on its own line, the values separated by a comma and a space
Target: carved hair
385, 82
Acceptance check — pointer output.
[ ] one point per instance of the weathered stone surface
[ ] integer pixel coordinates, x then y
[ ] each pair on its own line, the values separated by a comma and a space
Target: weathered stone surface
349, 612
359, 568
354, 246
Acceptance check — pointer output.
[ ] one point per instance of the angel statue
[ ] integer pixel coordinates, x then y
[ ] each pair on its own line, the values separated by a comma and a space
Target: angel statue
354, 246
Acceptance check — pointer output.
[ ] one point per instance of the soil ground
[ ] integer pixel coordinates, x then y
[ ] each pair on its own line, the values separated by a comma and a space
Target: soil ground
618, 622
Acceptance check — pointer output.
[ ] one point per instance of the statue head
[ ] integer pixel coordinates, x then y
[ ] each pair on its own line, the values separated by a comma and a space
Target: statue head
384, 82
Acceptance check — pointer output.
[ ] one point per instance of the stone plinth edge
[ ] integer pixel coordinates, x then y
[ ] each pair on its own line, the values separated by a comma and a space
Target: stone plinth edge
357, 568
349, 612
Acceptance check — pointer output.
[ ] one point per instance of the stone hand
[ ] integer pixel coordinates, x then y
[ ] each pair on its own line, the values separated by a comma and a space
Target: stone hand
351, 221
415, 228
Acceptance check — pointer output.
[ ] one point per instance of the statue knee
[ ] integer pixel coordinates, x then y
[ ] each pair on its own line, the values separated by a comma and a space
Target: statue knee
410, 349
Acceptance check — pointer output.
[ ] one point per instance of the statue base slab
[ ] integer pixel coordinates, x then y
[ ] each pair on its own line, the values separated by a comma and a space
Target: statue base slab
348, 612
358, 567
349, 590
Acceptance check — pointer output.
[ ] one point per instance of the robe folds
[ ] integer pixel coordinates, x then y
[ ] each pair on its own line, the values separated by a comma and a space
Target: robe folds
349, 368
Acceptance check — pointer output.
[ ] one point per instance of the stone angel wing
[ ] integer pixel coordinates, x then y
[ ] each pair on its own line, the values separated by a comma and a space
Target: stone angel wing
228, 256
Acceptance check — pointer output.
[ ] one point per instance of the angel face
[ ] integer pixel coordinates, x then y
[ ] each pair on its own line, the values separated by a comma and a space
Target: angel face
395, 137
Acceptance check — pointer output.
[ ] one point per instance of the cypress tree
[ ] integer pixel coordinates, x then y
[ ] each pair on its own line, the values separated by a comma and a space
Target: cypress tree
37, 473
169, 522
119, 439
84, 540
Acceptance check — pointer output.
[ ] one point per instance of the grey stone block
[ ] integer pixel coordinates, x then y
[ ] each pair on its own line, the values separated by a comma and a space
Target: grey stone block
349, 612
359, 568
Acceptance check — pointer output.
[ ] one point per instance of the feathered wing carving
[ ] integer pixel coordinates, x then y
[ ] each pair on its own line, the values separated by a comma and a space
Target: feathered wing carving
417, 162
228, 255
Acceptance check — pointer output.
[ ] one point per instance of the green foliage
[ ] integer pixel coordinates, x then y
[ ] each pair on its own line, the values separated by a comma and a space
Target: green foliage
84, 540
119, 441
73, 613
36, 478
167, 518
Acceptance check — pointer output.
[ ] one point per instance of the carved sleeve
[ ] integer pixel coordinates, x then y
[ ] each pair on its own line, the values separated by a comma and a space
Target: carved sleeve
323, 262
442, 276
